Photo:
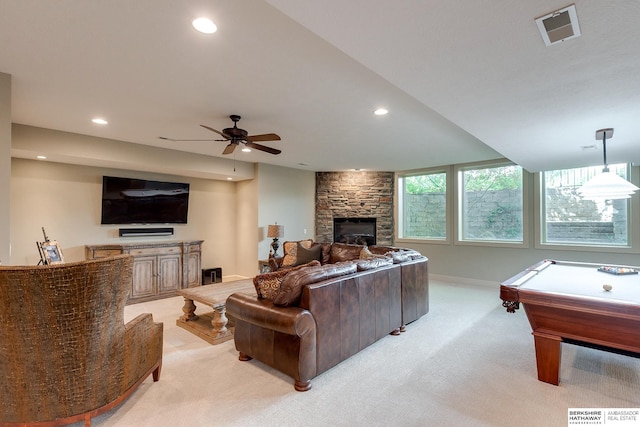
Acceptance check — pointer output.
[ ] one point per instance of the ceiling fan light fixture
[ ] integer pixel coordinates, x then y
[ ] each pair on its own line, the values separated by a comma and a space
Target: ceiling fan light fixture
246, 150
606, 185
204, 25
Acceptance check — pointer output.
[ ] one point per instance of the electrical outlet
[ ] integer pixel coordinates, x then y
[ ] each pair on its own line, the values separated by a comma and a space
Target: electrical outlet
304, 231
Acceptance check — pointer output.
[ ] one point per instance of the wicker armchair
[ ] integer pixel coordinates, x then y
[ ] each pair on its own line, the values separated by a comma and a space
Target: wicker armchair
65, 353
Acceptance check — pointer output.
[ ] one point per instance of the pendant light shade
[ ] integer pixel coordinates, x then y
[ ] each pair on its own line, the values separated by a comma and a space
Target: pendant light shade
606, 185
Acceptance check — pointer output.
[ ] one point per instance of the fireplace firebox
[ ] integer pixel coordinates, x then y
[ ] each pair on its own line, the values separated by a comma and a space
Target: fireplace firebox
360, 231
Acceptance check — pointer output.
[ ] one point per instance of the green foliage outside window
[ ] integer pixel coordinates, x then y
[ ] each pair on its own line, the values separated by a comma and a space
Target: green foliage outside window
423, 184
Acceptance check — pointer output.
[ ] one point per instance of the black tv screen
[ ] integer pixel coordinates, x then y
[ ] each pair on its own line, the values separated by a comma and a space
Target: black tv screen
139, 201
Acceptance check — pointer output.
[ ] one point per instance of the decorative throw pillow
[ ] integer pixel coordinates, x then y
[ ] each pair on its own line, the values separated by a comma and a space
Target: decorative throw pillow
291, 251
365, 253
268, 284
326, 253
304, 255
344, 252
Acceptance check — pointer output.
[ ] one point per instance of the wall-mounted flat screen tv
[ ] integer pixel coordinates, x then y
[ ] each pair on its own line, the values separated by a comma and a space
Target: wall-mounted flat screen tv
140, 201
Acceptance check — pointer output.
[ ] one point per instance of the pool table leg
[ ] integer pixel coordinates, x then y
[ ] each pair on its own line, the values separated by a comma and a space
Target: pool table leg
548, 354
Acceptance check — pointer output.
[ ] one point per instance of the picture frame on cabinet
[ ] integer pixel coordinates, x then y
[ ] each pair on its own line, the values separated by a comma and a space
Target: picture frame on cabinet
51, 253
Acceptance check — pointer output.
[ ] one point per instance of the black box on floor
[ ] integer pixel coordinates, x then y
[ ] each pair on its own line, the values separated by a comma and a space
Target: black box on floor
211, 275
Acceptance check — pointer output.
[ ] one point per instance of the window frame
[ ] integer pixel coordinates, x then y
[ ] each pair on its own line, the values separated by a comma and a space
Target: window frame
457, 208
633, 218
400, 209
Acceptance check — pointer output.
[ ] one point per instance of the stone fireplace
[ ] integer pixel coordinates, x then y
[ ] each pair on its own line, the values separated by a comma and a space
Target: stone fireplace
363, 198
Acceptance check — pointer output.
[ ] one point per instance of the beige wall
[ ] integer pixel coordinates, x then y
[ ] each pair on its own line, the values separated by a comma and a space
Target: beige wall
65, 200
287, 197
5, 167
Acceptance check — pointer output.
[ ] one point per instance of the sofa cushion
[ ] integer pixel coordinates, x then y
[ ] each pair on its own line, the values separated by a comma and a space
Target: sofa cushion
365, 253
291, 287
268, 284
305, 255
344, 252
291, 251
326, 253
382, 250
404, 255
370, 264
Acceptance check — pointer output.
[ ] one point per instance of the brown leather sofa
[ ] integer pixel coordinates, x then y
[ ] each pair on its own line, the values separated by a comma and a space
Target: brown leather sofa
415, 275
324, 314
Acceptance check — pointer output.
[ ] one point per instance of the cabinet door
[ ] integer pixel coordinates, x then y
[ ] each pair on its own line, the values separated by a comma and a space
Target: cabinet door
144, 269
194, 272
169, 273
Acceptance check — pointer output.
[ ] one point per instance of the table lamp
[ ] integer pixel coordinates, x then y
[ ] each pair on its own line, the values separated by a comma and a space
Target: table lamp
274, 232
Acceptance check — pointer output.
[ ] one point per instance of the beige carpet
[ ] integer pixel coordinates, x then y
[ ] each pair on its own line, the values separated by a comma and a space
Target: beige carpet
467, 363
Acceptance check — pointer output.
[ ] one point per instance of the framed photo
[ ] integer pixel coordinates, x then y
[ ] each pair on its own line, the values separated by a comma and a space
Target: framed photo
51, 252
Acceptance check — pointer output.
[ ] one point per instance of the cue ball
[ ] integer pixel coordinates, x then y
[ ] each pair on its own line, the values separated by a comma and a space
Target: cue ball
607, 287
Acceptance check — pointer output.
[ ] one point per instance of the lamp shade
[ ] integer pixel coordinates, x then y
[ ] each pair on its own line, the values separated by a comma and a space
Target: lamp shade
607, 185
275, 231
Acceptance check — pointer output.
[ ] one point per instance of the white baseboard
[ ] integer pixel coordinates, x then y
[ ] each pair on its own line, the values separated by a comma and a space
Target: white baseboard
463, 281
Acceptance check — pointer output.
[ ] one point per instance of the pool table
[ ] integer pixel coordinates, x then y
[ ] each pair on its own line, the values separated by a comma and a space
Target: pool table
567, 302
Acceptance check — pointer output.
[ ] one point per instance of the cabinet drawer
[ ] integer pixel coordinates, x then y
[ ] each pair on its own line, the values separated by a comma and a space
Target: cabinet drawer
165, 250
104, 253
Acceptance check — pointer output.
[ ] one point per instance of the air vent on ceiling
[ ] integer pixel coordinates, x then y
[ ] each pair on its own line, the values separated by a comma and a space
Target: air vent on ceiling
558, 26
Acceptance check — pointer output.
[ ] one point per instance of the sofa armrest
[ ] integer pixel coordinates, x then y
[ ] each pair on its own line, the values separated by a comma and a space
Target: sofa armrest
262, 313
281, 337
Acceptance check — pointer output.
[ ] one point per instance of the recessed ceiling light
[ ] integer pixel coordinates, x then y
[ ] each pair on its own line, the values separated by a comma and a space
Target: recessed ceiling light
229, 178
246, 149
204, 25
380, 111
99, 121
41, 157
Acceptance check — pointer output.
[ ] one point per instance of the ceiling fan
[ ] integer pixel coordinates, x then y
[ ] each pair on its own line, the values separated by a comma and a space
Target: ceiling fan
235, 136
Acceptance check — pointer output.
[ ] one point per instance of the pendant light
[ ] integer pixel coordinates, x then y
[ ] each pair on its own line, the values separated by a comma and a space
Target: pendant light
607, 185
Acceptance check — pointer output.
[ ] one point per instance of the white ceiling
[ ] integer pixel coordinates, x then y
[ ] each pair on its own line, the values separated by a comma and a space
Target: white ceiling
460, 78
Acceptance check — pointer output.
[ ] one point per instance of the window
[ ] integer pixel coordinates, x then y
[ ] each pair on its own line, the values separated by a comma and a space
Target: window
569, 219
423, 206
490, 207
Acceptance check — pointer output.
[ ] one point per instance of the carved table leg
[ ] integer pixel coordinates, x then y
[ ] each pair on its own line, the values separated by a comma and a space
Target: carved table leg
189, 309
219, 321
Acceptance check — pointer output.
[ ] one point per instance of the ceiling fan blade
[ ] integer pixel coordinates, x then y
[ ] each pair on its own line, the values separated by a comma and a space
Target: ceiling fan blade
264, 137
229, 148
216, 131
262, 148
